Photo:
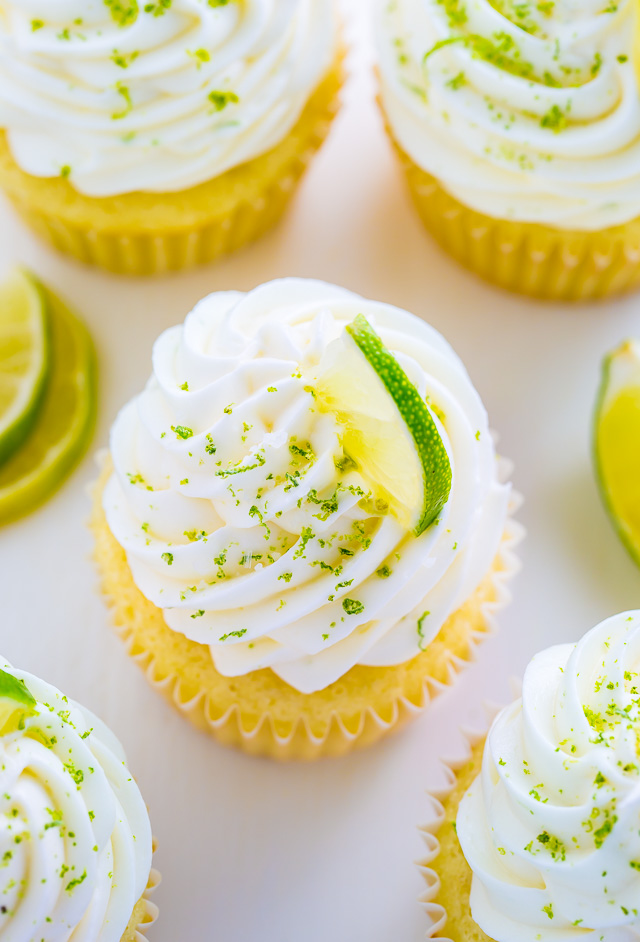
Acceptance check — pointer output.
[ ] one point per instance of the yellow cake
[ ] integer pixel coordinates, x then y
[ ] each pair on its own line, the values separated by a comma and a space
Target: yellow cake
250, 515
521, 167
122, 219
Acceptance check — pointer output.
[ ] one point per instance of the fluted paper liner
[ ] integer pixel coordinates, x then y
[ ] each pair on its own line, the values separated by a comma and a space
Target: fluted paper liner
436, 913
145, 913
331, 722
528, 258
148, 234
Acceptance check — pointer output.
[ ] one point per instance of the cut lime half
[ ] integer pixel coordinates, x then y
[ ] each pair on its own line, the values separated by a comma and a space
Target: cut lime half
64, 422
388, 429
24, 358
16, 703
617, 442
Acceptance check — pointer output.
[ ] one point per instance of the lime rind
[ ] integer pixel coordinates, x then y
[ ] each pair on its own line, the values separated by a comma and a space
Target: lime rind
431, 451
49, 454
619, 385
16, 703
22, 290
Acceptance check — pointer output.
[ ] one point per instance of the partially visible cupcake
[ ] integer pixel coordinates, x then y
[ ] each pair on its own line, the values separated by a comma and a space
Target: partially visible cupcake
75, 839
303, 526
149, 137
519, 128
539, 840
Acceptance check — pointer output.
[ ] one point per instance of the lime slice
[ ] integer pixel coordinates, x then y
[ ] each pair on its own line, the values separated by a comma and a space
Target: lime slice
64, 421
24, 358
16, 703
617, 442
388, 429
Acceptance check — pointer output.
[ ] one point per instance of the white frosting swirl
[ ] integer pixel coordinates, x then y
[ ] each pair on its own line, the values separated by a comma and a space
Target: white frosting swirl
236, 520
75, 839
551, 828
524, 111
121, 95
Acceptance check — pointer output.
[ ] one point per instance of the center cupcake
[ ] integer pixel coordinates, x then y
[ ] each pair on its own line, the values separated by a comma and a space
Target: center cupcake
303, 526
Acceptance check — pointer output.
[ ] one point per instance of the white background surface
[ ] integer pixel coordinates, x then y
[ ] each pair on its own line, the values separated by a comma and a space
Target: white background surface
251, 850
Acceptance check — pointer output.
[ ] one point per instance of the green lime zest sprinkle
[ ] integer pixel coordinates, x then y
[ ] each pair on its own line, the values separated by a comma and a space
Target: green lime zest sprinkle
181, 431
70, 887
352, 606
421, 621
123, 12
234, 634
220, 100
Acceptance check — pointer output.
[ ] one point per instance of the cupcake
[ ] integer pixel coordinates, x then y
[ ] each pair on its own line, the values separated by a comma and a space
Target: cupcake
539, 838
75, 839
150, 137
518, 125
302, 525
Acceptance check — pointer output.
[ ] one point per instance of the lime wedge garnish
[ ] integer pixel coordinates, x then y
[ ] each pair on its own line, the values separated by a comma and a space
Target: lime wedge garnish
24, 358
16, 703
389, 430
64, 422
617, 442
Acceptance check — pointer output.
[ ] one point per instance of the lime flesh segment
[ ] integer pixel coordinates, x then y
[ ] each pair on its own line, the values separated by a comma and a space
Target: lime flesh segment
24, 358
16, 703
388, 429
64, 423
617, 442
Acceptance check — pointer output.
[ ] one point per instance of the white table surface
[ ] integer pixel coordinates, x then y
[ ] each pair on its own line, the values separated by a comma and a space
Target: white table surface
251, 850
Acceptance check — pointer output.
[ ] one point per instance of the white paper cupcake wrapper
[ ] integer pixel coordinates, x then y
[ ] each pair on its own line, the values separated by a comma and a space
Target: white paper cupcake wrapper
435, 912
150, 909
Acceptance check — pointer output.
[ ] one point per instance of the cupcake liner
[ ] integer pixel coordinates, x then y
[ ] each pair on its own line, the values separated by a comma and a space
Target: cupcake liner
149, 234
145, 912
527, 258
436, 913
282, 723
